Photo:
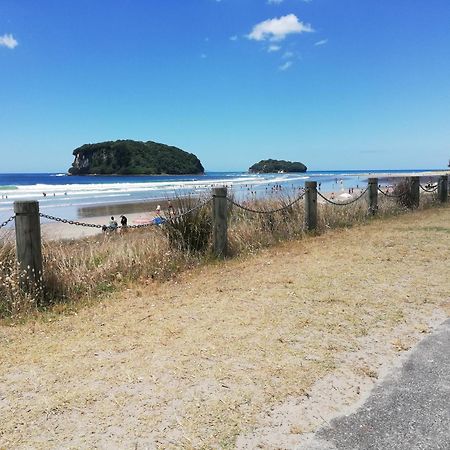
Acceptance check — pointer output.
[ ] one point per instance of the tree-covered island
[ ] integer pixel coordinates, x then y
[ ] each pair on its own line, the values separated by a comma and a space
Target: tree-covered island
277, 166
126, 157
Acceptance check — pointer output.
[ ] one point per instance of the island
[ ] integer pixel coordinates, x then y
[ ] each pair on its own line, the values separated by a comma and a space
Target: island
277, 166
127, 157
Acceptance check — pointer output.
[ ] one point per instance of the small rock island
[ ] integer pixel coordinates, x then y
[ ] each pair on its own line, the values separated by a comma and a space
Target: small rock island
127, 157
277, 166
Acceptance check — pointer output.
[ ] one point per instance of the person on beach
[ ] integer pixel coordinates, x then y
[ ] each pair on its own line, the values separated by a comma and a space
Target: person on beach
123, 222
158, 210
113, 224
170, 209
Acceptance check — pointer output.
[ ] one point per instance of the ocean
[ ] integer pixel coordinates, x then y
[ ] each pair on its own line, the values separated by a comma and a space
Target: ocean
72, 197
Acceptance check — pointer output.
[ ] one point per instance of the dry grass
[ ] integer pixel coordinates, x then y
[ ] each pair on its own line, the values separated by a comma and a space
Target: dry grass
84, 269
192, 362
88, 268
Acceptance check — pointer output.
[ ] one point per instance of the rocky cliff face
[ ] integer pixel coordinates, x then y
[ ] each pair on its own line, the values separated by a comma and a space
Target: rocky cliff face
133, 158
81, 162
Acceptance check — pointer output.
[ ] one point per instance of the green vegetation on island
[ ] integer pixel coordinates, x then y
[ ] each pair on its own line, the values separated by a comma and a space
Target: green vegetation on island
276, 166
127, 157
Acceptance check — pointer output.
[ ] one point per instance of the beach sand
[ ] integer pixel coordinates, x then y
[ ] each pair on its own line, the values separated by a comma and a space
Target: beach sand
137, 214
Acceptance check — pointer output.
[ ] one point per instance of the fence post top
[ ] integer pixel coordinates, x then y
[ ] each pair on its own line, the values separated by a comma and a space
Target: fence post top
26, 206
220, 192
373, 180
311, 184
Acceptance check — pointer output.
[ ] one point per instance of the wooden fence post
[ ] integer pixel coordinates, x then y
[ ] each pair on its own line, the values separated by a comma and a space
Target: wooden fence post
373, 195
443, 188
415, 192
28, 244
220, 239
311, 205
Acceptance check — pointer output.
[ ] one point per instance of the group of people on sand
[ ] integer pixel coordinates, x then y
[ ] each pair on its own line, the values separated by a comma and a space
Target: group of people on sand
159, 219
113, 226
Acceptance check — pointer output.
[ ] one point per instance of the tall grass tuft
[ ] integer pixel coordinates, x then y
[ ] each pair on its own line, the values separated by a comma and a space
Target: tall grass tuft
403, 190
190, 228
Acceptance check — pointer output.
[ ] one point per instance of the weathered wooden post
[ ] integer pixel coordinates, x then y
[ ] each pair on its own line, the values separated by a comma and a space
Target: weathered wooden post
310, 205
220, 222
28, 244
415, 192
443, 188
373, 195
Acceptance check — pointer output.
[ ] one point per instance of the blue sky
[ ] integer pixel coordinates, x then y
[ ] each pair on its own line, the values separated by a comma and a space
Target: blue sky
336, 84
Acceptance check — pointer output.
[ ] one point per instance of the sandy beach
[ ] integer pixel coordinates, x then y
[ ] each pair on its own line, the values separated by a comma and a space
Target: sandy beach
137, 214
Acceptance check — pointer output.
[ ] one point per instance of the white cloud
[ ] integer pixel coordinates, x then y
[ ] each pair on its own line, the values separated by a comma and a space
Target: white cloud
233, 38
273, 48
8, 41
288, 55
278, 29
285, 66
322, 42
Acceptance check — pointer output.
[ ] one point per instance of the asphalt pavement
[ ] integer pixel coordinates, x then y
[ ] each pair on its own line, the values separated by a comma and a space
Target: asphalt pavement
409, 410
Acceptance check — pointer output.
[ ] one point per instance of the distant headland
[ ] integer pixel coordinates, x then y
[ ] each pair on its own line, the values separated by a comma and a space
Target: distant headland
277, 166
127, 157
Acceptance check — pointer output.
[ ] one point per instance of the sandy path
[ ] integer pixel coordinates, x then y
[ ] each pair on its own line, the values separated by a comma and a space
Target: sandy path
249, 352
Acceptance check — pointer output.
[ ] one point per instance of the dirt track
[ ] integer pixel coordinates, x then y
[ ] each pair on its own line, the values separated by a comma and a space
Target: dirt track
238, 352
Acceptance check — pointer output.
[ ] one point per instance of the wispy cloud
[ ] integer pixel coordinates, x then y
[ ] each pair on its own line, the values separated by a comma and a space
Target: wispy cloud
278, 28
8, 41
322, 42
285, 66
273, 48
288, 55
233, 38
